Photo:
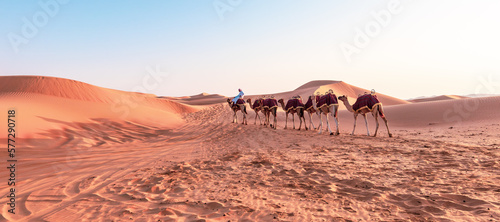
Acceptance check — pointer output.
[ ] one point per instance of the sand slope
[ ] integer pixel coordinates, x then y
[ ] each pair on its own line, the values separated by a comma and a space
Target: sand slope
37, 99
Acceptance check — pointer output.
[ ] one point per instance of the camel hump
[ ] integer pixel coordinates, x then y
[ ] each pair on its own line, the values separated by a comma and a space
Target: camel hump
328, 100
294, 104
368, 101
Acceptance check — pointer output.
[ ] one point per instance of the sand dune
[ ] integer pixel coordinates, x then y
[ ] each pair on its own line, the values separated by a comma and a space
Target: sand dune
83, 160
437, 98
202, 99
38, 98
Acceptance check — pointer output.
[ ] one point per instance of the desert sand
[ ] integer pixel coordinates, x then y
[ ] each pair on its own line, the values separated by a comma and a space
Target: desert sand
86, 153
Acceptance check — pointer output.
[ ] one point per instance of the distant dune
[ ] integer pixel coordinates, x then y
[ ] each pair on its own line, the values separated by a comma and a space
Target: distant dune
202, 99
338, 87
437, 98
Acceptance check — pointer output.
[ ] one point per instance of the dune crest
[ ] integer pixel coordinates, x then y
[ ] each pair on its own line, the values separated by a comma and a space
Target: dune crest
338, 87
437, 98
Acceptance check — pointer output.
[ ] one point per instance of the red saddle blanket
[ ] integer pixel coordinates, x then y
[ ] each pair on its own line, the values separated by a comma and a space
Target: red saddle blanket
309, 105
366, 101
270, 103
257, 103
327, 100
239, 102
294, 104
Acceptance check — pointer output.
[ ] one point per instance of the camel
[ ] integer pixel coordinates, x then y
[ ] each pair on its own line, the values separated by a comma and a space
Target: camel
290, 109
239, 106
310, 109
257, 107
376, 109
327, 104
270, 106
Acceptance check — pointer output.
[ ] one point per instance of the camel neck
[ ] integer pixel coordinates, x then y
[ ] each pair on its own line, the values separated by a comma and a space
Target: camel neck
282, 105
348, 106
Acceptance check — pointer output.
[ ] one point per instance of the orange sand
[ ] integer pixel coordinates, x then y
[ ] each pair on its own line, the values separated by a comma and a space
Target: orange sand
87, 153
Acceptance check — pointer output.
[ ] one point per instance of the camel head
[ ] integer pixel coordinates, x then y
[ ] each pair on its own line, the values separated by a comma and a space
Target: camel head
249, 101
229, 100
343, 98
282, 102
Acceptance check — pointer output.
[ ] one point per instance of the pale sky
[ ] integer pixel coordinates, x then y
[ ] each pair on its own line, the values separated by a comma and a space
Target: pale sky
402, 48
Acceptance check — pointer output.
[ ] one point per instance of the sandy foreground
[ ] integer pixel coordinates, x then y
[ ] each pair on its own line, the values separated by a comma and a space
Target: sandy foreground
166, 161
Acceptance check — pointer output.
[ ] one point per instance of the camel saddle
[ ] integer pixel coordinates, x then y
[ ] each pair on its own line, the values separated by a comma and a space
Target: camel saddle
270, 103
294, 104
366, 101
309, 106
239, 102
327, 100
257, 103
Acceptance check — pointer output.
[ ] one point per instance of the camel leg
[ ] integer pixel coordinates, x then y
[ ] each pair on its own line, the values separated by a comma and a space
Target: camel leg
335, 117
366, 122
300, 125
303, 118
311, 121
300, 118
375, 115
320, 127
385, 120
260, 121
387, 125
269, 118
286, 120
245, 118
293, 120
328, 125
311, 124
319, 115
355, 120
337, 125
255, 122
243, 111
267, 121
275, 119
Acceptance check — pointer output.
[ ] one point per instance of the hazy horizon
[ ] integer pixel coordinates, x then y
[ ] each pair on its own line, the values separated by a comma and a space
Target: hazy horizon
405, 49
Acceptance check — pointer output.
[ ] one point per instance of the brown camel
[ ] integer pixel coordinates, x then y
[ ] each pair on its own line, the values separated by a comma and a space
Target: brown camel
292, 108
239, 106
326, 104
270, 106
257, 107
376, 109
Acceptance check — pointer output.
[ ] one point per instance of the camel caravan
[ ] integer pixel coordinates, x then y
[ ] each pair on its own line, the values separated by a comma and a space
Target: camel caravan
321, 105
